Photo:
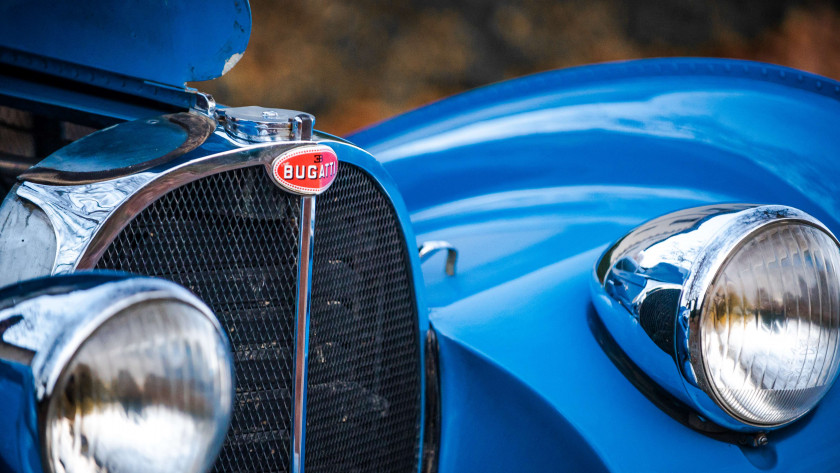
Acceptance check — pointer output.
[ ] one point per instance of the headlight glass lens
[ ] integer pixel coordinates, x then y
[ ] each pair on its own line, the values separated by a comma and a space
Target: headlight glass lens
769, 325
149, 391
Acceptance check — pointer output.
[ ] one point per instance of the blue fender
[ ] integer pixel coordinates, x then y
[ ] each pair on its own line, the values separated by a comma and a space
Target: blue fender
530, 179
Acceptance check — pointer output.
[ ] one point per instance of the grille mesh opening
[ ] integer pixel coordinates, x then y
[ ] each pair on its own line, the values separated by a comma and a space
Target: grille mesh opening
232, 239
363, 410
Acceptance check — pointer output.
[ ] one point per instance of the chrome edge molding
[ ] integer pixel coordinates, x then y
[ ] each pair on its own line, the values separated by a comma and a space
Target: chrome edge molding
681, 251
706, 268
306, 257
76, 213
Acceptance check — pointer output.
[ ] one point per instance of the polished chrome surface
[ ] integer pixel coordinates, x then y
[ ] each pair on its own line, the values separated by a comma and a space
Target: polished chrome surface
109, 356
734, 230
77, 213
428, 248
650, 288
84, 218
302, 315
204, 103
259, 124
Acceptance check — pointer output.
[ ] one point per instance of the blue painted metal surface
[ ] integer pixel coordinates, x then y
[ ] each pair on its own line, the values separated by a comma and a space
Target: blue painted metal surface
166, 41
21, 450
532, 178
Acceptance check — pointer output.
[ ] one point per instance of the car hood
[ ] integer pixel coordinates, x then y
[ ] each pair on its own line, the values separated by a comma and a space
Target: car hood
166, 41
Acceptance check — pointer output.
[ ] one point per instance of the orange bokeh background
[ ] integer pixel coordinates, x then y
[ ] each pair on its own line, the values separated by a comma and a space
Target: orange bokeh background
355, 63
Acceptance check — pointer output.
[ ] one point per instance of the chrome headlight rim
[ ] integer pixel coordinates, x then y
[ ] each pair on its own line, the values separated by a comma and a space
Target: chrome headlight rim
47, 322
682, 252
134, 294
49, 363
715, 256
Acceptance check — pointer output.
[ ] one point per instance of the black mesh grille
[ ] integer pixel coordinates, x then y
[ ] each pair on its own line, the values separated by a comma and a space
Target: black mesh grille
363, 412
232, 239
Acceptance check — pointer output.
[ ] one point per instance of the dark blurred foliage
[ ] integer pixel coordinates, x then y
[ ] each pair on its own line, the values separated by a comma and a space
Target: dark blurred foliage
354, 63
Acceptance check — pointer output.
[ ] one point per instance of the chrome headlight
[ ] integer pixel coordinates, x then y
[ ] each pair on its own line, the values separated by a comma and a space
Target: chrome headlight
129, 374
734, 309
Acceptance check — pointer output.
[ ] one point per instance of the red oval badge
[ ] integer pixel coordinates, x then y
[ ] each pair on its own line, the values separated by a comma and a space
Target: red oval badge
306, 170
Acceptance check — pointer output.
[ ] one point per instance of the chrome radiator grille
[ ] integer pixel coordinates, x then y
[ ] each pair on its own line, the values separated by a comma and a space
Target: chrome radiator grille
232, 239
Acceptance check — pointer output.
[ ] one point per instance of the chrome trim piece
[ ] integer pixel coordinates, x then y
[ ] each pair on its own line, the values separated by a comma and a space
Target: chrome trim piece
77, 213
159, 183
86, 216
428, 248
717, 252
306, 256
203, 103
683, 252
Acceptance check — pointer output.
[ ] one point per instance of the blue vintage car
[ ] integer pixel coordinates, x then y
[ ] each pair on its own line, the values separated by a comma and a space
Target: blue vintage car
620, 267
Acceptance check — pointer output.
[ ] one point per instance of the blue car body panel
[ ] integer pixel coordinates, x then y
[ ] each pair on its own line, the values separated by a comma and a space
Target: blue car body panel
165, 41
530, 180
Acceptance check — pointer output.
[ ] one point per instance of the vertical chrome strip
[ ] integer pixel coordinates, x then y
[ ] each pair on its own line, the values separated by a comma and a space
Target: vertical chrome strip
304, 287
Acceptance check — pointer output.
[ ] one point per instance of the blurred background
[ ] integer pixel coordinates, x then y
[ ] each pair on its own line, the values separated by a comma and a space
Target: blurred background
355, 63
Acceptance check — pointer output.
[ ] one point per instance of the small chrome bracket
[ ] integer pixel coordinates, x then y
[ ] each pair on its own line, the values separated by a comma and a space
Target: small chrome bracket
204, 103
429, 248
